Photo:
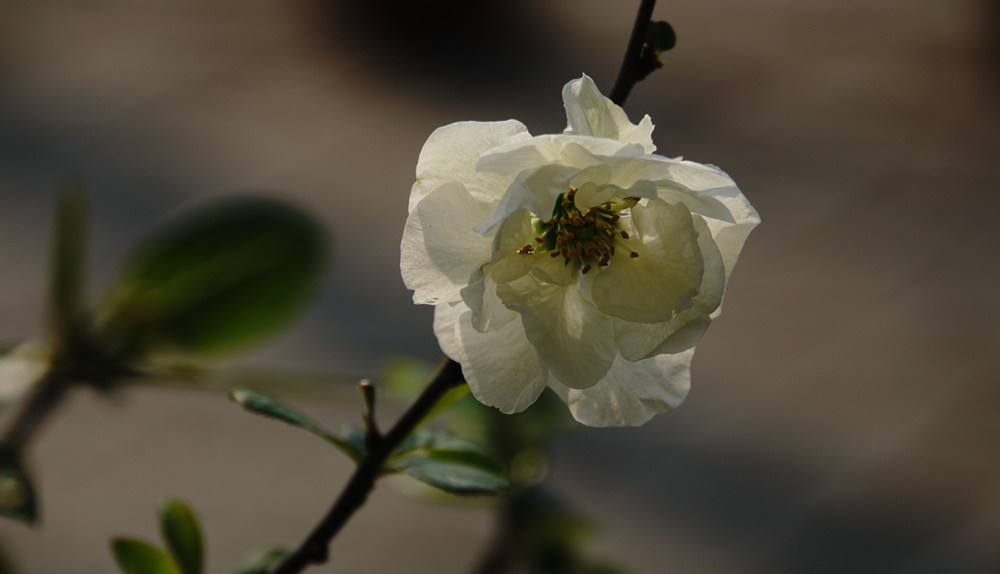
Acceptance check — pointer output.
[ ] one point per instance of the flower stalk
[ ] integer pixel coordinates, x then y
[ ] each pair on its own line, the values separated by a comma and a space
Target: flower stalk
636, 63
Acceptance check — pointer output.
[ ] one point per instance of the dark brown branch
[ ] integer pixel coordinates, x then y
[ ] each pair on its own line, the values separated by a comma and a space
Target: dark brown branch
634, 64
315, 548
42, 399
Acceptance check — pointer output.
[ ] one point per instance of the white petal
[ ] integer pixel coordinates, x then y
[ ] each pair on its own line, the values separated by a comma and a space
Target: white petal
664, 277
488, 311
589, 113
574, 340
440, 250
705, 190
500, 366
451, 153
631, 393
544, 166
638, 341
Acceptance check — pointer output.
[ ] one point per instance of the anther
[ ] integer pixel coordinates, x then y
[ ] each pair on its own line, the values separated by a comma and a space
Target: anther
526, 250
554, 254
633, 255
566, 203
585, 269
624, 234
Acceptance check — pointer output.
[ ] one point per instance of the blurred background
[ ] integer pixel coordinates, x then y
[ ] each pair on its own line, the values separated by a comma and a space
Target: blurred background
843, 412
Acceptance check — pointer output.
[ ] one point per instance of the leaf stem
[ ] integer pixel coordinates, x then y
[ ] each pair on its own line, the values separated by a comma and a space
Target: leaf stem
315, 548
633, 64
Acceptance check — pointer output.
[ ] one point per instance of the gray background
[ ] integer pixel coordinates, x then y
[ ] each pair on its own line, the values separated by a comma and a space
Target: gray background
843, 415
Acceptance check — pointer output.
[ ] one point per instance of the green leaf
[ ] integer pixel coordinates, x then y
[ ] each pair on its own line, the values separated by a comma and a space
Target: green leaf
452, 464
447, 401
69, 236
264, 405
454, 478
136, 556
180, 530
17, 495
660, 37
218, 278
263, 562
444, 447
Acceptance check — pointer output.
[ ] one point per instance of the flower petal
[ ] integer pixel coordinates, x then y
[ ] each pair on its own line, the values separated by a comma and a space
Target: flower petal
440, 250
574, 340
666, 274
631, 393
638, 341
706, 190
451, 153
500, 366
544, 167
589, 113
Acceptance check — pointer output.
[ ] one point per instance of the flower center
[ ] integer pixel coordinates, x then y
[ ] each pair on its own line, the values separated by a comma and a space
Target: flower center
586, 238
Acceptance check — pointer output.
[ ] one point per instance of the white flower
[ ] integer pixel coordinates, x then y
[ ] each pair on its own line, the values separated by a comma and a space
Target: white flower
579, 261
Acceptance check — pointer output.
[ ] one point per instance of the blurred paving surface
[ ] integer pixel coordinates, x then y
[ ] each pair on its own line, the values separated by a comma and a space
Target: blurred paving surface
843, 416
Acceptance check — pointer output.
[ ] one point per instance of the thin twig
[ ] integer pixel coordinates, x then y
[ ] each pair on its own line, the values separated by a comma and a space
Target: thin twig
315, 548
632, 64
42, 399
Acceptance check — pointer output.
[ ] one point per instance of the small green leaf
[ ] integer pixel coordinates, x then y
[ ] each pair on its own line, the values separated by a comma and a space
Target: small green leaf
180, 530
264, 405
446, 448
454, 478
17, 495
136, 556
218, 278
355, 436
660, 37
448, 400
263, 562
452, 464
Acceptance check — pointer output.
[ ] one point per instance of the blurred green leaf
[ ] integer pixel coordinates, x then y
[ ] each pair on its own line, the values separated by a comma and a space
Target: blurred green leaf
660, 37
136, 556
6, 562
17, 495
263, 562
180, 530
453, 477
355, 436
264, 405
447, 401
69, 234
218, 278
20, 367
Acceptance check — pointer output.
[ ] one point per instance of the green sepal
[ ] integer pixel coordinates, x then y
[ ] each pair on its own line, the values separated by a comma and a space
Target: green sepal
264, 405
17, 495
180, 530
218, 278
135, 556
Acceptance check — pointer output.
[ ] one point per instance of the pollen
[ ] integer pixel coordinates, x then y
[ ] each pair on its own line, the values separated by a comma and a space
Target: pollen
584, 238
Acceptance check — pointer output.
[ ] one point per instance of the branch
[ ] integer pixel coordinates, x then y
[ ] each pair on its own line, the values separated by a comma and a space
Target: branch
315, 548
635, 66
